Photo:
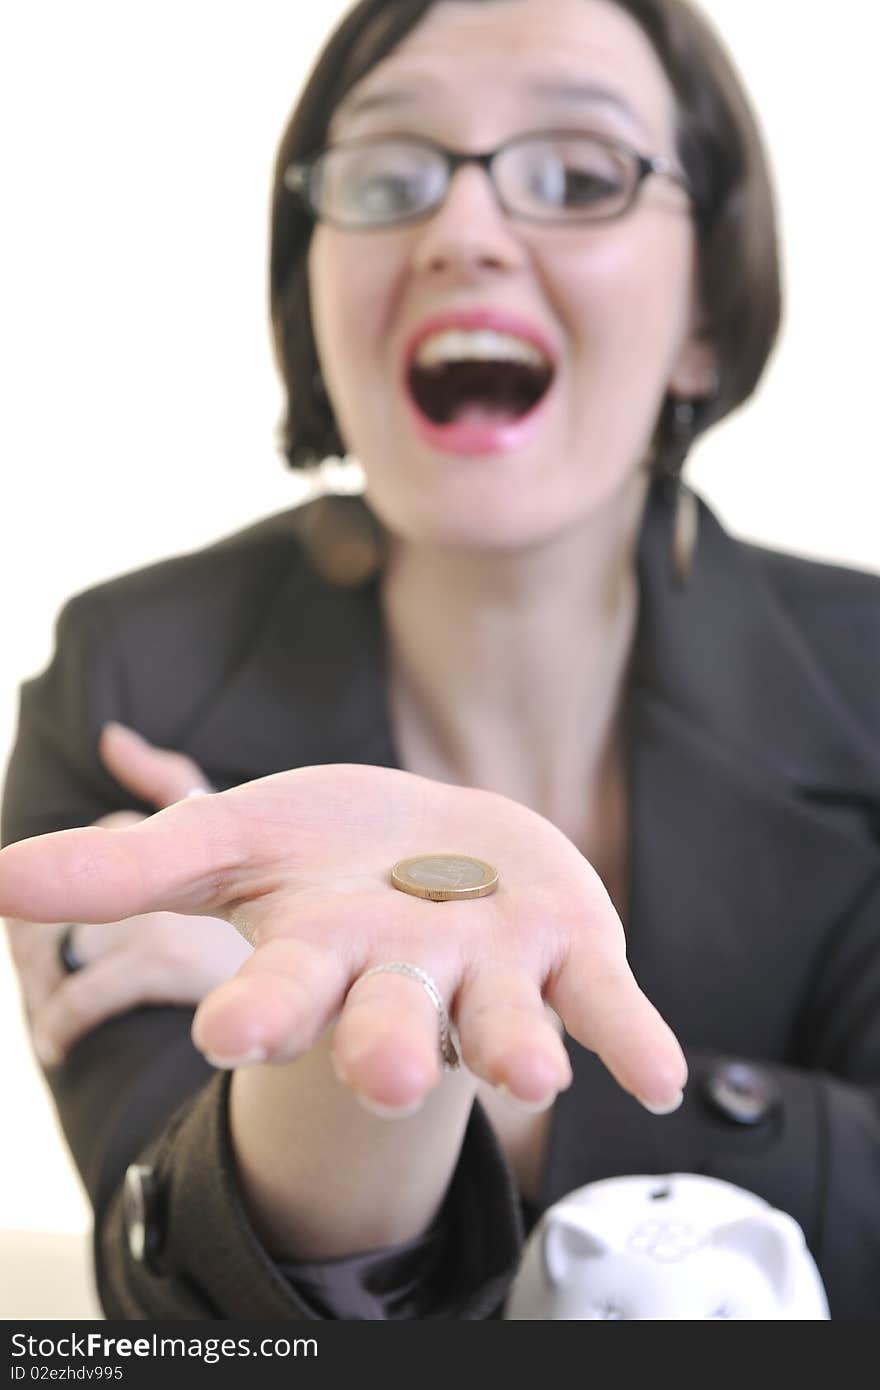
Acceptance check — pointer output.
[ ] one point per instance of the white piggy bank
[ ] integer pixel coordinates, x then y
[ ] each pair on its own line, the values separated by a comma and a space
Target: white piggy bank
678, 1246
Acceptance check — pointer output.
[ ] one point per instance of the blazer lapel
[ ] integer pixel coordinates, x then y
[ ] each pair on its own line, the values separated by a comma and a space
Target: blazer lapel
724, 652
746, 770
311, 690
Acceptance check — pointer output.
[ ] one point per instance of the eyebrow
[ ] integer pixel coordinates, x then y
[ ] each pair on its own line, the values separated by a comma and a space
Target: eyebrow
571, 91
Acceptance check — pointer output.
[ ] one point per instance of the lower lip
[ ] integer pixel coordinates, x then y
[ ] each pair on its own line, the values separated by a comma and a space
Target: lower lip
479, 436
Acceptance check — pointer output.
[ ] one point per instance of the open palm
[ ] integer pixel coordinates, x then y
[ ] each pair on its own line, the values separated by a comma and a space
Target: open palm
299, 863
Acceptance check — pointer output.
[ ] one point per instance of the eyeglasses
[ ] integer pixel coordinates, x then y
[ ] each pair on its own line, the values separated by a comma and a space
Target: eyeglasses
555, 176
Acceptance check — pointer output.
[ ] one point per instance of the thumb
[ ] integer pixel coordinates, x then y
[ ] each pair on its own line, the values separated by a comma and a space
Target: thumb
157, 775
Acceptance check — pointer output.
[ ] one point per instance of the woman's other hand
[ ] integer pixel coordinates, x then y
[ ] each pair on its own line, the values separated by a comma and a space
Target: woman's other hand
148, 958
299, 862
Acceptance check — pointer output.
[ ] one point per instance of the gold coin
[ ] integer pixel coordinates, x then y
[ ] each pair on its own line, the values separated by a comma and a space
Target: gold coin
442, 877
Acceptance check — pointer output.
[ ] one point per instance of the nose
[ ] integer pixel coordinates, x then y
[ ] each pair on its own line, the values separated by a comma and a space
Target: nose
469, 228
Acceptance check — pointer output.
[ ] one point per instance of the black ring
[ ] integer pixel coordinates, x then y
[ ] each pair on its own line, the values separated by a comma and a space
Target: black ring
67, 957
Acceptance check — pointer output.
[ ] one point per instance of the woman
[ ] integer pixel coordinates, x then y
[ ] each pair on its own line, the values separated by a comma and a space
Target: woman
529, 646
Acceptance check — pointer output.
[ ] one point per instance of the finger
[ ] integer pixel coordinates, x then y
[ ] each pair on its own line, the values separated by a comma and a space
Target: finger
87, 942
27, 942
507, 1037
275, 1008
118, 820
183, 859
111, 985
386, 1044
34, 950
598, 1000
160, 776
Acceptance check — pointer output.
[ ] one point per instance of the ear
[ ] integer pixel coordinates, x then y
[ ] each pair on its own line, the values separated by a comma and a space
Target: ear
568, 1240
695, 374
773, 1241
695, 370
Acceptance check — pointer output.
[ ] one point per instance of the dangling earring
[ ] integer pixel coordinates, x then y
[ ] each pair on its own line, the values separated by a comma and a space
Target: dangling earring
343, 539
686, 515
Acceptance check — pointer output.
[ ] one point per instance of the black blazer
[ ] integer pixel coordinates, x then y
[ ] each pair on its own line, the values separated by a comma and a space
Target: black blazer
753, 737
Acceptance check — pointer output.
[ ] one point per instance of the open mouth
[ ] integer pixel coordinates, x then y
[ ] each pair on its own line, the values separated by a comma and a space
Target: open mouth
478, 389
477, 374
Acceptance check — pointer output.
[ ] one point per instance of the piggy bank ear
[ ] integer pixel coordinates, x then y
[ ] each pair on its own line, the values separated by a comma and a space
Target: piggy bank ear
569, 1239
773, 1241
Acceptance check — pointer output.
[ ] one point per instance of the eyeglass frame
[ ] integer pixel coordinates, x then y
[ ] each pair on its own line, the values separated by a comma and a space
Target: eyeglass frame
297, 176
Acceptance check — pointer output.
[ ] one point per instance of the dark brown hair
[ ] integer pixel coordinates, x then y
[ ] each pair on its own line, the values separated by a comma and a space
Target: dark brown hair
721, 153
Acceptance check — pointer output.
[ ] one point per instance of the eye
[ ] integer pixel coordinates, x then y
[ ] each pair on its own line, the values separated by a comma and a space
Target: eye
584, 187
369, 182
576, 174
386, 192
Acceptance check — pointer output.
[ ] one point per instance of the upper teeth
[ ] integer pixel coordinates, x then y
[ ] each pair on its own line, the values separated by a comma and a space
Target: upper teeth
457, 345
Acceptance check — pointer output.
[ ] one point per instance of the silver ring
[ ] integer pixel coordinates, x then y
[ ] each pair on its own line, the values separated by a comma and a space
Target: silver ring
448, 1050
68, 959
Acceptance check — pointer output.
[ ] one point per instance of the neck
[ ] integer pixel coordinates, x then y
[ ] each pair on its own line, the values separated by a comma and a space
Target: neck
508, 670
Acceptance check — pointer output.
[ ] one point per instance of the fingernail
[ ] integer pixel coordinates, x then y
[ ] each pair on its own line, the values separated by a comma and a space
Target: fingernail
388, 1112
247, 1059
666, 1109
528, 1107
113, 726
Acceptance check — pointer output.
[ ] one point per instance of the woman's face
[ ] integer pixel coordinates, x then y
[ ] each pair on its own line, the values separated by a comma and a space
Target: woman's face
613, 301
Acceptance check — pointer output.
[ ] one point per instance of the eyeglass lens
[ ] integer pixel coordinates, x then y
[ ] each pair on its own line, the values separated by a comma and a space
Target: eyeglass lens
554, 178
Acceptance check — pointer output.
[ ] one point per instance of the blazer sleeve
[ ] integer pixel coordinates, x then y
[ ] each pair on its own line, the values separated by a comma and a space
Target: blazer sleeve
135, 1091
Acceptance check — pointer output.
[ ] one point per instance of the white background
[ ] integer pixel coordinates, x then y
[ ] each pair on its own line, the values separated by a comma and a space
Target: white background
140, 400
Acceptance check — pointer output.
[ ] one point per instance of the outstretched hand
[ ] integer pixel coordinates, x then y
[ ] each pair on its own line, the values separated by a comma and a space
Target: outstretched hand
299, 863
